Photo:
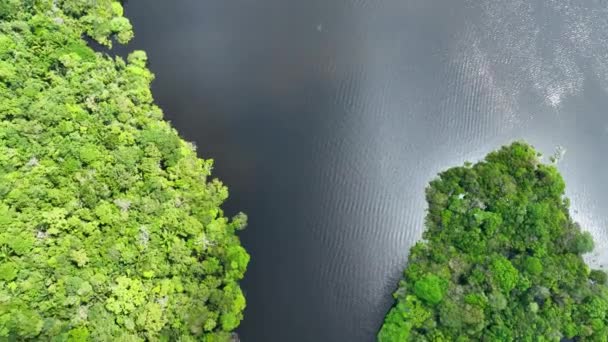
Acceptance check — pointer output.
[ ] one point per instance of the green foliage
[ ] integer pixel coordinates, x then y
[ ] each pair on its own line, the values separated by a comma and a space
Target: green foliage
582, 243
501, 260
430, 288
407, 314
8, 271
533, 266
110, 228
598, 276
504, 274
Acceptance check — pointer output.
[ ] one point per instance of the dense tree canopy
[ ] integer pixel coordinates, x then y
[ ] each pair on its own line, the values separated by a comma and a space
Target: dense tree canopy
110, 229
500, 260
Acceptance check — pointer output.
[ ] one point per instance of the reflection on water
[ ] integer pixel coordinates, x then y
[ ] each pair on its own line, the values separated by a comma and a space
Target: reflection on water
328, 118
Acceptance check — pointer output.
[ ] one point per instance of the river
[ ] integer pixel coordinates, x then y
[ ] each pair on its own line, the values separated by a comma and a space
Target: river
327, 118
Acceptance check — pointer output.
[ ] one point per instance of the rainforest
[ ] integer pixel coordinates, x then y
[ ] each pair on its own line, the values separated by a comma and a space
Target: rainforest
500, 260
110, 226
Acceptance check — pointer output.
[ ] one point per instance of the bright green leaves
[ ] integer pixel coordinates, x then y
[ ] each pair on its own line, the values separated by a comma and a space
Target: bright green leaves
139, 81
166, 141
595, 308
402, 318
7, 46
79, 334
107, 213
79, 51
76, 286
232, 317
477, 299
501, 260
90, 153
127, 294
167, 287
489, 221
100, 20
79, 257
395, 327
109, 227
122, 28
504, 275
209, 324
138, 58
237, 261
533, 266
8, 271
26, 322
150, 318
117, 9
7, 72
430, 288
20, 244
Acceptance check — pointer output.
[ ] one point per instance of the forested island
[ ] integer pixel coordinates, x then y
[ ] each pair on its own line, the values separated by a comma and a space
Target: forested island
110, 226
500, 260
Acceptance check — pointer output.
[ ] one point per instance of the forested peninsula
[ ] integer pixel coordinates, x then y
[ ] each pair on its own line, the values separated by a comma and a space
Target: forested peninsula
500, 260
110, 226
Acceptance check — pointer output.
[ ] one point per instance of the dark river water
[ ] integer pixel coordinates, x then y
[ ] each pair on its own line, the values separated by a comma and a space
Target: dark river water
327, 118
